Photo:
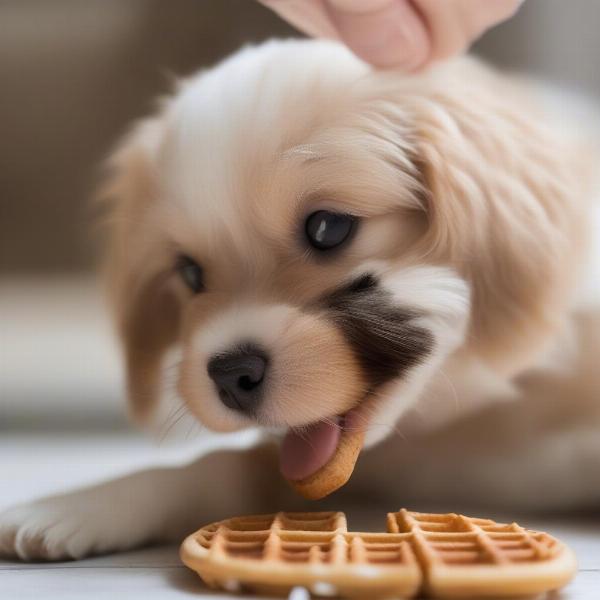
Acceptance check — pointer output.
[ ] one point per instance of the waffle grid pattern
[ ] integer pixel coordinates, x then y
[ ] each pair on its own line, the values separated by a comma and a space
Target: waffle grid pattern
313, 538
452, 539
438, 553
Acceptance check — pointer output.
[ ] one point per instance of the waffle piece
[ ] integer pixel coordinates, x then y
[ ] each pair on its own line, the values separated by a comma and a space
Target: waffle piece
469, 557
274, 553
335, 473
443, 555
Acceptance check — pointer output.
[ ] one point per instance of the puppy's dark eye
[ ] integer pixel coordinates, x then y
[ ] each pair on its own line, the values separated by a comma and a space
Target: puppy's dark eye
191, 273
326, 230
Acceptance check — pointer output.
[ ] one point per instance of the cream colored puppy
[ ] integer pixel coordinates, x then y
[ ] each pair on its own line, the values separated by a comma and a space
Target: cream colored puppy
330, 247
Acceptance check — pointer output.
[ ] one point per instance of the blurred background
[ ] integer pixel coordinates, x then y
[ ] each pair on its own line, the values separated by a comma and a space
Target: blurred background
73, 75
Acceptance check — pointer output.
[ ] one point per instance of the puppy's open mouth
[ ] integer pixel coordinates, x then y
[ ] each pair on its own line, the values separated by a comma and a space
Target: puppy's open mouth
304, 451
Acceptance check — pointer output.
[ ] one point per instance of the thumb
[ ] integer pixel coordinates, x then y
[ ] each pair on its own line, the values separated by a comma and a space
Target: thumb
385, 33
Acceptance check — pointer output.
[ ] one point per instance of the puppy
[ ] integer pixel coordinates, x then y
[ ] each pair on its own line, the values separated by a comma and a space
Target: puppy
322, 245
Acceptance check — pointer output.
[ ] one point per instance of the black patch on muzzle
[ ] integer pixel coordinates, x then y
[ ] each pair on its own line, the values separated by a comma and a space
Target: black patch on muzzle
383, 335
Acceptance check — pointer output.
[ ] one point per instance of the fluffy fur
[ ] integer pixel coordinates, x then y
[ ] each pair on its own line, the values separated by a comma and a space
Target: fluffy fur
475, 206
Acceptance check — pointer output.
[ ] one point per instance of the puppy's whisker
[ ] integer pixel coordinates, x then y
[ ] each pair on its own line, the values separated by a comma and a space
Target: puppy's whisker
453, 392
194, 425
179, 414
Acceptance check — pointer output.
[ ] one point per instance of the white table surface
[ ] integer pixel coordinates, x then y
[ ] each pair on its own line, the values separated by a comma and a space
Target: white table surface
29, 466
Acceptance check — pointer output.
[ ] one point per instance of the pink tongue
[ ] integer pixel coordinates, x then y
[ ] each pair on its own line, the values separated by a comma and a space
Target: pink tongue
303, 455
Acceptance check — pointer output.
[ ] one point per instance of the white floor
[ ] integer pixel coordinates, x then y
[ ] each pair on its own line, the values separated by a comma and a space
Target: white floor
30, 466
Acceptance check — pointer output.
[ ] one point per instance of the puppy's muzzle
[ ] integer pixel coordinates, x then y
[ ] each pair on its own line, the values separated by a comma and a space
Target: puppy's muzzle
239, 376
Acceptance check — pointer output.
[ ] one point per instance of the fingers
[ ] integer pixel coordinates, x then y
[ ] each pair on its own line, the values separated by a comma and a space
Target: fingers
405, 34
385, 33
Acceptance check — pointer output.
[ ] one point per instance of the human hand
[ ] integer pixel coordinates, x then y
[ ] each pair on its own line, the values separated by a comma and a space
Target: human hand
406, 34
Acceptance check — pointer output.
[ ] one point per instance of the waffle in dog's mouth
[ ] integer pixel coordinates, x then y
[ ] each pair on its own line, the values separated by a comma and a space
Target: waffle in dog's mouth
306, 450
386, 340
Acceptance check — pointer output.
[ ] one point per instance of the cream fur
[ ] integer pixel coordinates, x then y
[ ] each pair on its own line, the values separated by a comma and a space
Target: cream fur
461, 175
477, 206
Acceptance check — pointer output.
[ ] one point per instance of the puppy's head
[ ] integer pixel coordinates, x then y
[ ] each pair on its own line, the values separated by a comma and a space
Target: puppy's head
309, 234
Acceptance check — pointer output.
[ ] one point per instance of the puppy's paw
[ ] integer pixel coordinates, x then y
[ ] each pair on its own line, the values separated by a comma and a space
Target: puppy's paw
93, 521
49, 530
110, 517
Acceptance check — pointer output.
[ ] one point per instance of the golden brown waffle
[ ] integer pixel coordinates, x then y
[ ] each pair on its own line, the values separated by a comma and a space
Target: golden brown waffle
443, 555
469, 557
334, 474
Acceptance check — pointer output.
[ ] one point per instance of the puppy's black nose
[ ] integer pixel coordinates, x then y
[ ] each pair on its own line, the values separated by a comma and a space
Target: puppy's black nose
238, 376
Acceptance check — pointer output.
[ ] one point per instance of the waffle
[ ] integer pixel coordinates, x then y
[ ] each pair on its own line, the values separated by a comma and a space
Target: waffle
334, 474
442, 555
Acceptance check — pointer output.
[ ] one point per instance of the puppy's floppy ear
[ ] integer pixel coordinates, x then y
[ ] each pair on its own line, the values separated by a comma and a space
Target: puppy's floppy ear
137, 266
505, 199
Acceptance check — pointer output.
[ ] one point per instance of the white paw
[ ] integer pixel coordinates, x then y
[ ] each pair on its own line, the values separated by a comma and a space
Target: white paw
71, 526
51, 529
113, 516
